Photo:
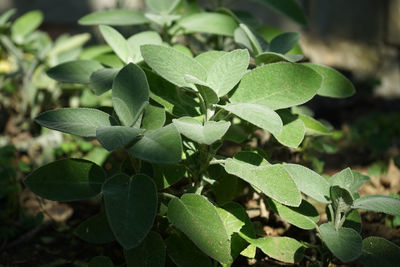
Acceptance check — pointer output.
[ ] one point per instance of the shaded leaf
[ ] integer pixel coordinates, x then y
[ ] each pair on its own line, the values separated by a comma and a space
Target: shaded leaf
114, 17
101, 261
271, 57
378, 203
378, 251
199, 220
163, 145
313, 127
95, 230
77, 71
284, 42
130, 94
130, 201
345, 243
166, 175
102, 80
114, 137
77, 121
80, 179
293, 130
153, 117
150, 253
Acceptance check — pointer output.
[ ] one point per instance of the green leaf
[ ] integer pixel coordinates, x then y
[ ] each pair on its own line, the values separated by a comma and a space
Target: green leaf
153, 118
246, 37
227, 71
341, 199
359, 180
162, 6
26, 24
232, 223
150, 253
77, 121
102, 80
378, 203
206, 22
101, 261
184, 253
313, 127
334, 84
93, 51
172, 64
110, 60
113, 137
7, 15
293, 130
73, 42
284, 42
130, 201
142, 38
353, 220
77, 71
378, 251
208, 58
114, 17
281, 248
274, 181
199, 220
345, 243
279, 85
271, 57
207, 134
309, 182
163, 145
166, 175
130, 94
344, 179
80, 179
260, 116
95, 230
305, 216
117, 42
288, 8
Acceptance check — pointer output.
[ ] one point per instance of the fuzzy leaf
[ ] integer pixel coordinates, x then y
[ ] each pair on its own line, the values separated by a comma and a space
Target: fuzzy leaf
77, 71
114, 17
378, 251
117, 42
378, 203
95, 230
114, 137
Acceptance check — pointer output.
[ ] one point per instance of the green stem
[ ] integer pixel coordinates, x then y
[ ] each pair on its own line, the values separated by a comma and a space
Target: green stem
167, 195
217, 161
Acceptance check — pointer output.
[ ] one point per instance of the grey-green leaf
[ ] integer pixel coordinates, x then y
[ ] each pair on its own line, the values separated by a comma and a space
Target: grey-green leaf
272, 180
77, 71
378, 251
163, 145
206, 22
199, 220
77, 121
172, 64
207, 59
95, 230
80, 179
293, 130
184, 253
117, 42
378, 203
309, 182
130, 93
313, 127
207, 134
150, 253
113, 137
26, 24
284, 42
341, 199
227, 71
102, 80
166, 175
305, 216
142, 38
114, 17
260, 116
278, 85
334, 83
153, 117
284, 249
345, 243
130, 201
162, 6
271, 57
344, 179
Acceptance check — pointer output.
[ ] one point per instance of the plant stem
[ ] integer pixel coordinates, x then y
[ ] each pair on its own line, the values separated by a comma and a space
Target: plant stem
217, 161
167, 195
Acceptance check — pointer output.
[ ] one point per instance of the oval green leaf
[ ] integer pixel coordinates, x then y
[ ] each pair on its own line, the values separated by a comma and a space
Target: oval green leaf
77, 121
114, 17
378, 251
80, 179
208, 133
345, 243
142, 38
114, 137
378, 203
77, 71
117, 42
163, 145
284, 42
131, 206
102, 80
278, 85
271, 57
284, 249
199, 220
26, 24
95, 230
130, 94
153, 117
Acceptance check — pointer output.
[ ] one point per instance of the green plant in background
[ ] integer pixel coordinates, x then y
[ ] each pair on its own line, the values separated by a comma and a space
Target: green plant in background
25, 55
175, 102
